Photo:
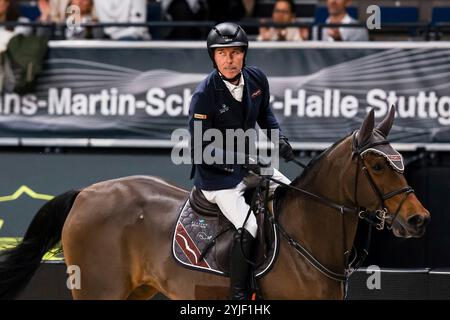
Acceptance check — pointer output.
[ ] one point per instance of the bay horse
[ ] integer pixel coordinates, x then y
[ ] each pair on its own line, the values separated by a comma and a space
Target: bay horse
118, 232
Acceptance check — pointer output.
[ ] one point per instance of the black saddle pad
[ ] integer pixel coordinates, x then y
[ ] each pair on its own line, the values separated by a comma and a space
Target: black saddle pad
194, 233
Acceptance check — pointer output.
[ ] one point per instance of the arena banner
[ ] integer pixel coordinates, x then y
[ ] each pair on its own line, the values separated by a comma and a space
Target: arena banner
319, 92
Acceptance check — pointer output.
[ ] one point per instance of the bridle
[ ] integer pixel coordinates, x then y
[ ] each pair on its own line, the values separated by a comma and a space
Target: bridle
375, 218
379, 216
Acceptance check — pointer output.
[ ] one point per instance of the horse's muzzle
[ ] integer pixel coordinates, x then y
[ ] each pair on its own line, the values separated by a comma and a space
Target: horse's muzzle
418, 223
414, 227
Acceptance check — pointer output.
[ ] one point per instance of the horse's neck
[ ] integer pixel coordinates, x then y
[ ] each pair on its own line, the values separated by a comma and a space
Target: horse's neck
321, 229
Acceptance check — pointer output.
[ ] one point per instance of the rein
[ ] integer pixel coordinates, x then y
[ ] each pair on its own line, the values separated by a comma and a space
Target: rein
375, 217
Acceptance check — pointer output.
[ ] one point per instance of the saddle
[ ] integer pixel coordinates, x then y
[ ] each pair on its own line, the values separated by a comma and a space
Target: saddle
203, 237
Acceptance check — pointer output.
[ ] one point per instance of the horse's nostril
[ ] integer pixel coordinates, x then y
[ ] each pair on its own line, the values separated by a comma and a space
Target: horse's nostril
416, 221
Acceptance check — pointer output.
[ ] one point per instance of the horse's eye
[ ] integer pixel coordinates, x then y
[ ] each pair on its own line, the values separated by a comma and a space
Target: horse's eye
377, 167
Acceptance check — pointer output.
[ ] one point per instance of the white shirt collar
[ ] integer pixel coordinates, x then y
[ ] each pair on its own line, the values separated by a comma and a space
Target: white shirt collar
236, 91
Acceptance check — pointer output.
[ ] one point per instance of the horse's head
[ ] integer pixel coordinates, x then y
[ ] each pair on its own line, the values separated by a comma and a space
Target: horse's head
380, 187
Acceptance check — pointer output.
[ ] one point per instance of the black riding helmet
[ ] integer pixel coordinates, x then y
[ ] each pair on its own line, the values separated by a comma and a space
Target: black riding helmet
226, 34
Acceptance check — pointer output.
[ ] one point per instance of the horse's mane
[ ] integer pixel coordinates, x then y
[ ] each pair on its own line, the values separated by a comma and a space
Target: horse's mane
316, 160
281, 191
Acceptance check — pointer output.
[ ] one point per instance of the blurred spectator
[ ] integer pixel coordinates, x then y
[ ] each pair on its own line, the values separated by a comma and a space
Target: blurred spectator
249, 6
53, 10
228, 10
338, 14
122, 11
10, 13
283, 12
57, 11
87, 15
185, 10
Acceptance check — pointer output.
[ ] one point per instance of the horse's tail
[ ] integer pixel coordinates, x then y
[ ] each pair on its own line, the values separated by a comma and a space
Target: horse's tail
18, 265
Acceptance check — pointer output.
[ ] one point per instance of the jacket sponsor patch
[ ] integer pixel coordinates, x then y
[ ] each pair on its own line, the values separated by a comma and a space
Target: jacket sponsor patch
256, 93
200, 116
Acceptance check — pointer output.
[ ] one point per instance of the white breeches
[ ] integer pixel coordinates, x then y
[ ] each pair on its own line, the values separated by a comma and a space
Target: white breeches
233, 206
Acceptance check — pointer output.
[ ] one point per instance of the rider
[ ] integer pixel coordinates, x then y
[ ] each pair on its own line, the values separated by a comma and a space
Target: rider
233, 96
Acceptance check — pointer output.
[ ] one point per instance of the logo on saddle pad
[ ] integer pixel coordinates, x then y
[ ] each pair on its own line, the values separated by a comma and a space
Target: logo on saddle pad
199, 224
203, 236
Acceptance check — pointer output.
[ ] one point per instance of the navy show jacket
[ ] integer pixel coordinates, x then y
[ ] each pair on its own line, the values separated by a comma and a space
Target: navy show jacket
213, 105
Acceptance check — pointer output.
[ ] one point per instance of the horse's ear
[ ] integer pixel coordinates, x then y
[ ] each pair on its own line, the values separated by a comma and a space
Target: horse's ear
365, 132
386, 125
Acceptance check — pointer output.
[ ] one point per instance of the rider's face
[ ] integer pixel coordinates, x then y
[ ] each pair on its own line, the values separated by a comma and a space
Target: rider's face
229, 61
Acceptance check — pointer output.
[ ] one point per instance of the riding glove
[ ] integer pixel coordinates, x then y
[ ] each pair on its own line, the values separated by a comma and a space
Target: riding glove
285, 149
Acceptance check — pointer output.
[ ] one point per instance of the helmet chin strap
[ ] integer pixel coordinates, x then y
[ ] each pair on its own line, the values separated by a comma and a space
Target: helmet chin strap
235, 78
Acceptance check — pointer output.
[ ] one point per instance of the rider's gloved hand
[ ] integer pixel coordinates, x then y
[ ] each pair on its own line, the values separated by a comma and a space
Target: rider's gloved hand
285, 149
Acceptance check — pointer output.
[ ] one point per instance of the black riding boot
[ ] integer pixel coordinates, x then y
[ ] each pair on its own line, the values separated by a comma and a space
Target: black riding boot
239, 268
